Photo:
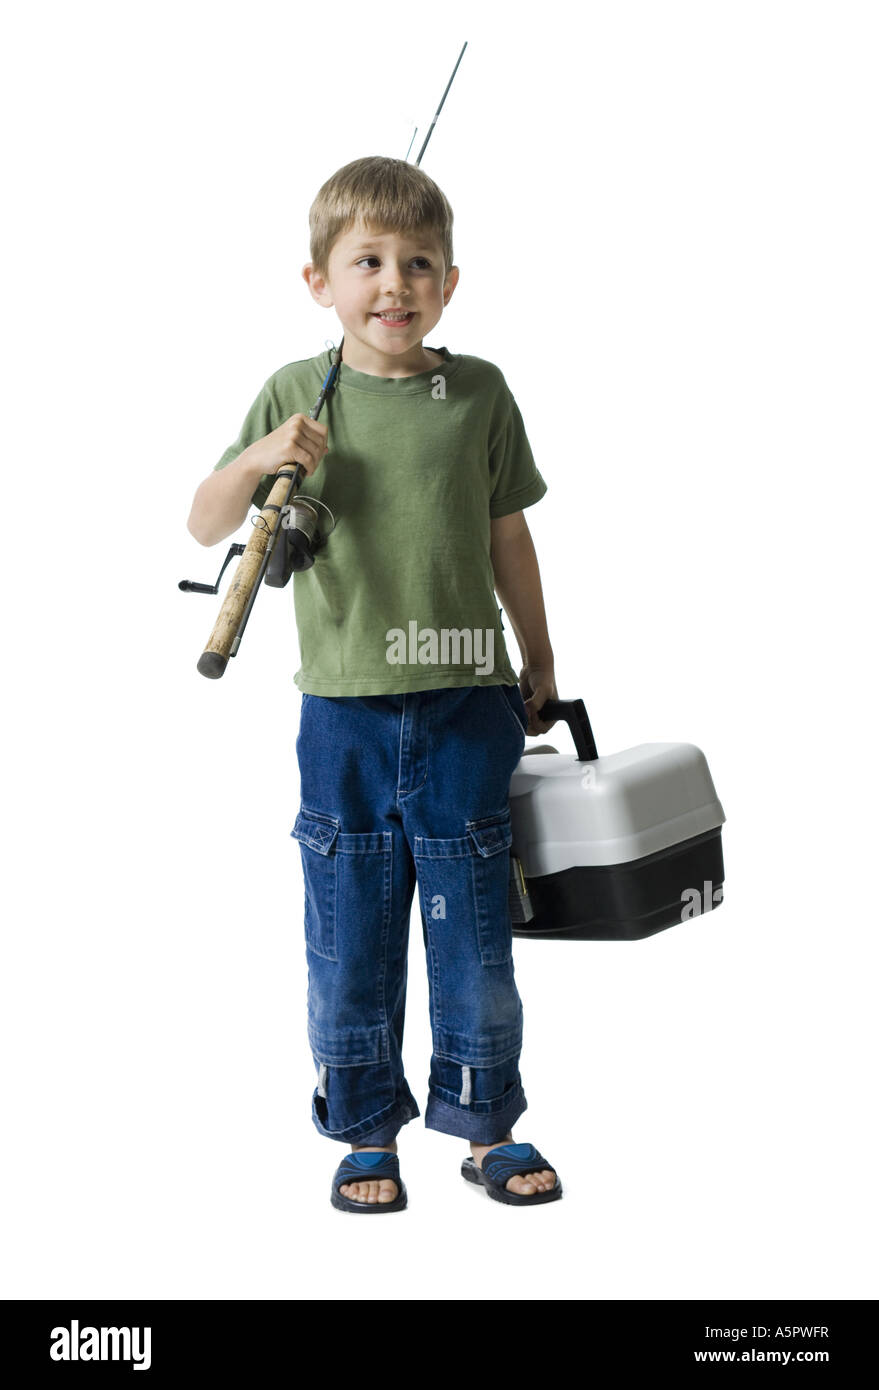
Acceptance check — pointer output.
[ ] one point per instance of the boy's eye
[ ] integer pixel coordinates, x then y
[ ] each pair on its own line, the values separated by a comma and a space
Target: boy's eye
424, 262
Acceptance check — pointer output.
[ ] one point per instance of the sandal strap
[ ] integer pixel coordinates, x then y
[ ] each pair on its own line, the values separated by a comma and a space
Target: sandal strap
356, 1167
513, 1160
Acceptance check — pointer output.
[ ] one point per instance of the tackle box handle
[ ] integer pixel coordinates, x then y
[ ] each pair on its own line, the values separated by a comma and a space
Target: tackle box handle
577, 720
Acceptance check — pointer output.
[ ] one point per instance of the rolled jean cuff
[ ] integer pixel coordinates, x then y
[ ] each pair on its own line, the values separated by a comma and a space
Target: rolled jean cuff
483, 1128
379, 1129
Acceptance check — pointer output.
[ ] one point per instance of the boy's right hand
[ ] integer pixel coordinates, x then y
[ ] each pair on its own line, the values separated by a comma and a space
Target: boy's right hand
299, 440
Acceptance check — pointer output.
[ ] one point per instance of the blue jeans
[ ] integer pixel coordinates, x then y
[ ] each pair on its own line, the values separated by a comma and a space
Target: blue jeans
394, 789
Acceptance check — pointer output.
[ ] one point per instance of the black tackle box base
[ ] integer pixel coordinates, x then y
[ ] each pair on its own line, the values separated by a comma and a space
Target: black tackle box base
627, 902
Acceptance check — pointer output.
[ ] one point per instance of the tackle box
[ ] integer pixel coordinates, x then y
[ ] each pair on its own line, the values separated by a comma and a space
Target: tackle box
613, 848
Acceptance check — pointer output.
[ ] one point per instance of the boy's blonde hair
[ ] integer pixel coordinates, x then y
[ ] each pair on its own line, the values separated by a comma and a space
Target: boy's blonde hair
388, 194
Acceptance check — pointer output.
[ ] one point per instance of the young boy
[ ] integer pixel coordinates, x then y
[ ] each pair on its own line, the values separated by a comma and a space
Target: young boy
412, 720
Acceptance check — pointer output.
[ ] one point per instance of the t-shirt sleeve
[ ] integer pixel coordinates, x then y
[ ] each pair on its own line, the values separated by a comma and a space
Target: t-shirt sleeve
262, 417
516, 482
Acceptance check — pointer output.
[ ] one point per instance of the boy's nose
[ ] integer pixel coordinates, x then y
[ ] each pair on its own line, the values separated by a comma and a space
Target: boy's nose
395, 277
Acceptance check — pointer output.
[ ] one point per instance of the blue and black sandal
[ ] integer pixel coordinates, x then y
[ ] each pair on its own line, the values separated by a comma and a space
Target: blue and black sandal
368, 1166
509, 1161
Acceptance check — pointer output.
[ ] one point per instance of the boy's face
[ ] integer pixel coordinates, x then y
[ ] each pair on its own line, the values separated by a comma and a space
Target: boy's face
371, 270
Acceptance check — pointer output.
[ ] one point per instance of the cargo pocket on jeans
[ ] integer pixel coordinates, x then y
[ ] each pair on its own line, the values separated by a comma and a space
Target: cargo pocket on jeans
492, 837
316, 833
464, 884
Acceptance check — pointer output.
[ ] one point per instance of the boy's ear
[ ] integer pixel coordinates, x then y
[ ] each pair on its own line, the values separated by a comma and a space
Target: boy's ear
317, 284
451, 281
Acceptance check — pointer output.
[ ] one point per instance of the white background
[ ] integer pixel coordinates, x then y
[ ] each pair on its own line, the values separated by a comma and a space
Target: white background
666, 227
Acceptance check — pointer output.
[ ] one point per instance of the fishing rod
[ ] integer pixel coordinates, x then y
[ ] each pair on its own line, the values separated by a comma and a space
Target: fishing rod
295, 522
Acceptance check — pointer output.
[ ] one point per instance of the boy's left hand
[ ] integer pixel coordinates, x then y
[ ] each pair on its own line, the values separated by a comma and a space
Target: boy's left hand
537, 684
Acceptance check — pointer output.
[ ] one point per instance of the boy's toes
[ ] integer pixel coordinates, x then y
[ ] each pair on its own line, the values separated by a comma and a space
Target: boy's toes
382, 1191
521, 1183
355, 1191
545, 1179
527, 1183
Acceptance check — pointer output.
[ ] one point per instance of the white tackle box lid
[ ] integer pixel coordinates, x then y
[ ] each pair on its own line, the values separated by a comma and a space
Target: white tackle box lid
568, 814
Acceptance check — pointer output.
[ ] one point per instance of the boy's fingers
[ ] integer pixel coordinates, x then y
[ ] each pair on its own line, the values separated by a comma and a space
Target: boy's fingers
309, 443
318, 444
535, 703
308, 456
310, 429
312, 443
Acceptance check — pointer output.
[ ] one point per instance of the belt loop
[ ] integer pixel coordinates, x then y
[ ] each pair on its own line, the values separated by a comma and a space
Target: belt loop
465, 1089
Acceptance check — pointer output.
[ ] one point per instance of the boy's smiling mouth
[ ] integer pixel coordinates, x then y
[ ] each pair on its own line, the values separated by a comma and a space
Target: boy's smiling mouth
395, 318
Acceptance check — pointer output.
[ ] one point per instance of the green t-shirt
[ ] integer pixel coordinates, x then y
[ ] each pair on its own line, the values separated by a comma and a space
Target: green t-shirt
401, 596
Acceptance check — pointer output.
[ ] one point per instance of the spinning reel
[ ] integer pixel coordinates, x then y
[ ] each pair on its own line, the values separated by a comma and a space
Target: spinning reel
302, 536
299, 538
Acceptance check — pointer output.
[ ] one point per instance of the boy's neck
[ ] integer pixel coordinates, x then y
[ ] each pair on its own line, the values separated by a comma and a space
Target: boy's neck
419, 359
